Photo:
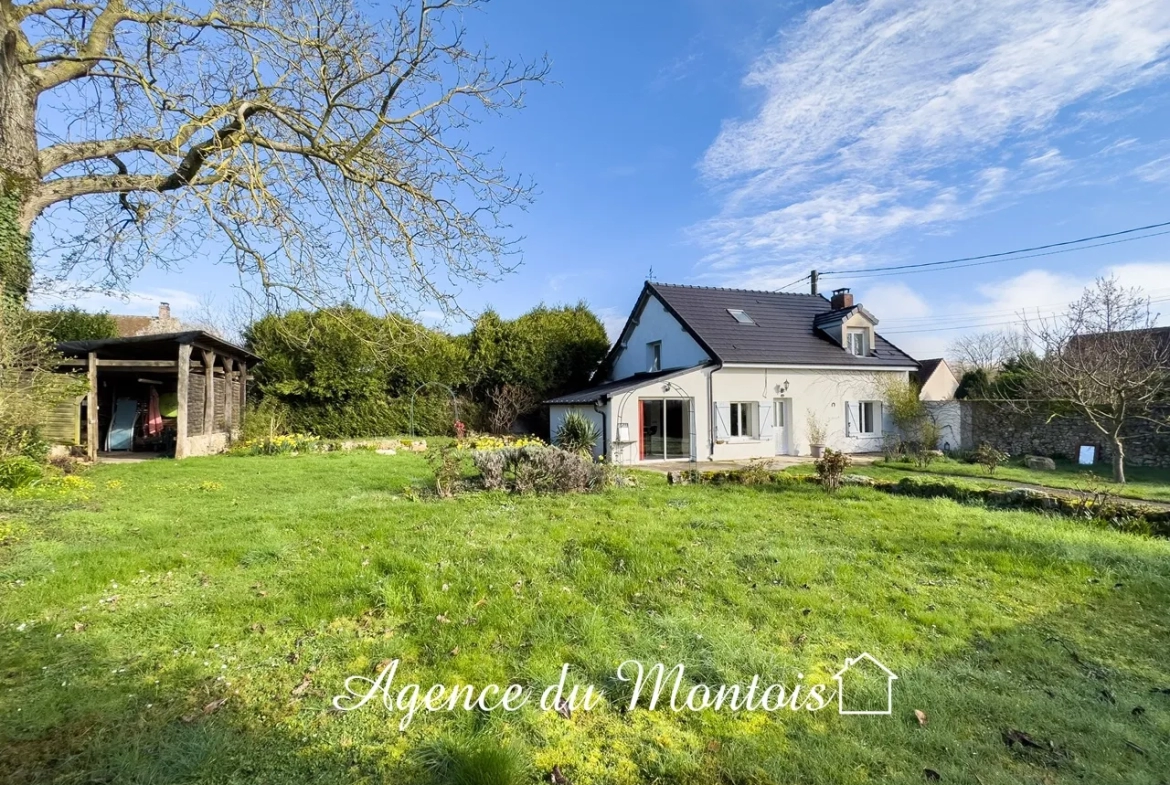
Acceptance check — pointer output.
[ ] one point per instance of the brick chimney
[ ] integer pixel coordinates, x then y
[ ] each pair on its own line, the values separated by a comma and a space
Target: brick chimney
842, 298
164, 312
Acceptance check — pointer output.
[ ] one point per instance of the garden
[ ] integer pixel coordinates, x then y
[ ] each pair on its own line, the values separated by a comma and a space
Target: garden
193, 621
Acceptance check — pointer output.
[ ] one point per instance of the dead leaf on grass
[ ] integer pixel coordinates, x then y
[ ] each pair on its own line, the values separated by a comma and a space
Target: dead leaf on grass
921, 716
210, 708
299, 690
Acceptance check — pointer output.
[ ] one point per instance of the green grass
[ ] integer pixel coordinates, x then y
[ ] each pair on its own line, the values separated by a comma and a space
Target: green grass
1141, 482
268, 581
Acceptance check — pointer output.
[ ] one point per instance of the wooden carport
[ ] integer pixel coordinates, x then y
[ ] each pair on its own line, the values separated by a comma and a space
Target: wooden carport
209, 377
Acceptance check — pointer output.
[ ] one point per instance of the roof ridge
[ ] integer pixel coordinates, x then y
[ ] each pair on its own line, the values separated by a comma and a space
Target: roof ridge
730, 289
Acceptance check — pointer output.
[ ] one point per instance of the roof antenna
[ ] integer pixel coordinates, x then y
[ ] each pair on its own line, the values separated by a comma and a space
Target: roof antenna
650, 274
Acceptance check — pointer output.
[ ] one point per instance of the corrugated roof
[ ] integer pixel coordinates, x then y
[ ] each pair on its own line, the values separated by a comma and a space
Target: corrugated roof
610, 388
784, 332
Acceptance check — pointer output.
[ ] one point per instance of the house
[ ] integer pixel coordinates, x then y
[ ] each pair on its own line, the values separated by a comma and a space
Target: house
197, 382
703, 373
130, 326
935, 379
863, 678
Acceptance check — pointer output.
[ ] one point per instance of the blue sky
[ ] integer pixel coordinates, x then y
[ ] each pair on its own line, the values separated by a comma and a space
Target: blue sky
743, 144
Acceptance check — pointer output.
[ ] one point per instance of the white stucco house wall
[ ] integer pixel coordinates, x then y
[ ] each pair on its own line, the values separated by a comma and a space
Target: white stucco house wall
703, 373
936, 381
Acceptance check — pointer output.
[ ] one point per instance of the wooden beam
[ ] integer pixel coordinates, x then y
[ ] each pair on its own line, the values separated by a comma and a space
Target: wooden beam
228, 363
243, 392
91, 410
208, 391
77, 363
182, 395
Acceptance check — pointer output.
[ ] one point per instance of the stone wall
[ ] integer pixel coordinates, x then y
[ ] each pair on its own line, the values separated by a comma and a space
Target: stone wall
1037, 434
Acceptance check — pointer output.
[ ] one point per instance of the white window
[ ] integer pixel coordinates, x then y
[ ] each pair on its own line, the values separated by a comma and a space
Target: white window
743, 419
654, 356
857, 341
865, 418
740, 316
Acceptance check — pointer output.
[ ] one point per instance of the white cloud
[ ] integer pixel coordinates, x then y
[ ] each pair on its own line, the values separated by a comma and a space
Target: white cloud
879, 115
927, 329
134, 303
1156, 171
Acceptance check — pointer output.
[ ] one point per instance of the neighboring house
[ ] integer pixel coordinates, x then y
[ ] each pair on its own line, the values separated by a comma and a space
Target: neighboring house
703, 373
936, 381
130, 326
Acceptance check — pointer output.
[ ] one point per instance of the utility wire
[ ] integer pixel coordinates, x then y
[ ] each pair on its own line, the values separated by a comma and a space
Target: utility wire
1018, 258
798, 280
991, 258
913, 321
980, 324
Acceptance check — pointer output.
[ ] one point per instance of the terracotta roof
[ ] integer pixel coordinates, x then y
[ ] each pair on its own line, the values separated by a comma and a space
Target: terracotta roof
132, 325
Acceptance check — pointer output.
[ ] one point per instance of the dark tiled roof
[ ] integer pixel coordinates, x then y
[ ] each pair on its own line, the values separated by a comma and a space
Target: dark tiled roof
610, 388
927, 367
784, 332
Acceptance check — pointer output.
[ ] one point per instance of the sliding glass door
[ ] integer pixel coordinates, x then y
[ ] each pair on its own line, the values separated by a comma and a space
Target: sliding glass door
666, 429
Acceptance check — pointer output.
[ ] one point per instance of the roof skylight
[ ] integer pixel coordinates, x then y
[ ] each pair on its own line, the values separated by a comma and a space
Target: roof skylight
740, 316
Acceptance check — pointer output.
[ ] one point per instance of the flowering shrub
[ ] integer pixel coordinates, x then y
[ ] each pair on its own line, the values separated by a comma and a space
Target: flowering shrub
279, 445
486, 442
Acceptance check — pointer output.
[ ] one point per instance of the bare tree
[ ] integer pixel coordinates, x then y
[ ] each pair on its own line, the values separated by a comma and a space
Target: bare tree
987, 350
1102, 360
320, 150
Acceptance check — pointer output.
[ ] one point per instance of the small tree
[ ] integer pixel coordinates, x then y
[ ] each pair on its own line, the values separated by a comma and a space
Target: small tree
1102, 361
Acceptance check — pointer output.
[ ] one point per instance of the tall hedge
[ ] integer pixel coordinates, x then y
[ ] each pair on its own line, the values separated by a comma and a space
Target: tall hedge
343, 372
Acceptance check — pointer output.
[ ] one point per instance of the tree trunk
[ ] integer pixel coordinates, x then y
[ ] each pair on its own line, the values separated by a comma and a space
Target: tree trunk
19, 163
1118, 460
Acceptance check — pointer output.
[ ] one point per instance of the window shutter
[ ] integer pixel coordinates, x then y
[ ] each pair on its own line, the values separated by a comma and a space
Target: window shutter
765, 409
879, 423
722, 418
850, 424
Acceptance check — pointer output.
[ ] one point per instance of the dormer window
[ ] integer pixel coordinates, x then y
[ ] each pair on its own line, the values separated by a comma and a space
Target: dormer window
857, 341
740, 316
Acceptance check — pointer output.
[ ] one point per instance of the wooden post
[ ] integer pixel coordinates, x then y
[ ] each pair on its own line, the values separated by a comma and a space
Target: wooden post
208, 391
228, 364
91, 410
184, 369
243, 392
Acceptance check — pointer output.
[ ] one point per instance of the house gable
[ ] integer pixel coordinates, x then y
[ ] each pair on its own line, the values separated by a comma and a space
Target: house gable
654, 331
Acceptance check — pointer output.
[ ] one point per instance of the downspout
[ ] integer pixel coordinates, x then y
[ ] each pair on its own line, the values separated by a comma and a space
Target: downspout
604, 424
711, 413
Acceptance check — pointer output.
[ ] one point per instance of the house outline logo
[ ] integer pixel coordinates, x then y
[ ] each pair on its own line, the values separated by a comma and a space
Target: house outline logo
849, 663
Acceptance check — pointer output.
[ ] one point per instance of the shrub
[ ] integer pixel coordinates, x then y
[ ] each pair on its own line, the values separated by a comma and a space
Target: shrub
538, 469
830, 468
19, 471
447, 464
577, 433
757, 472
989, 457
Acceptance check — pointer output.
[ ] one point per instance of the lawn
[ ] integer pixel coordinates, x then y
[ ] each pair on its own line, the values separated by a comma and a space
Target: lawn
128, 617
1141, 482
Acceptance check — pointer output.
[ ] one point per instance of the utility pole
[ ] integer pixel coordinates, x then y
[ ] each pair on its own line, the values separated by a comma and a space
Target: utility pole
812, 277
